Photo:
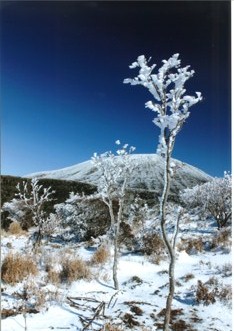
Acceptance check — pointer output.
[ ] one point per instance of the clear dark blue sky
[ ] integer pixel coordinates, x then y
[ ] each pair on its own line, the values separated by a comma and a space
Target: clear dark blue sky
62, 68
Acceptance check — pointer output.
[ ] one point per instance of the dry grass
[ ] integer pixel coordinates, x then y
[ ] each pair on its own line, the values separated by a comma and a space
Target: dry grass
74, 269
222, 239
136, 310
156, 258
65, 267
204, 294
207, 293
191, 245
188, 277
153, 246
225, 270
101, 256
225, 294
111, 327
53, 276
15, 228
36, 297
153, 243
16, 267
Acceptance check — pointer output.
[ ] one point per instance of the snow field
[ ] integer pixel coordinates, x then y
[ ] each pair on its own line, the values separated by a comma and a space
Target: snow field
142, 285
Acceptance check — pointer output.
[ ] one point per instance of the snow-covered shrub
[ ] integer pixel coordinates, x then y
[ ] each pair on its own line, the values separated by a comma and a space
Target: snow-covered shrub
137, 212
30, 198
213, 197
15, 268
127, 236
225, 270
153, 243
114, 172
192, 246
222, 239
135, 225
16, 209
82, 217
209, 292
32, 298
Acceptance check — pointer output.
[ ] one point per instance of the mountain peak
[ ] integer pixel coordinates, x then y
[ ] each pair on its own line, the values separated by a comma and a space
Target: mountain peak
147, 174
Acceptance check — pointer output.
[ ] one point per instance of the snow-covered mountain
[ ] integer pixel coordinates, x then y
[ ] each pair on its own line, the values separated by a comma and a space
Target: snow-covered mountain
146, 175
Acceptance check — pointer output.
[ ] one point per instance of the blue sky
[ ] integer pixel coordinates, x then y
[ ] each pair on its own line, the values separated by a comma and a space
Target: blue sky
62, 71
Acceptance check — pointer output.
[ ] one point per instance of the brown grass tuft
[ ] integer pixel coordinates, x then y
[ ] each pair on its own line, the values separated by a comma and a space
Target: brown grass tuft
74, 269
53, 276
153, 243
204, 295
225, 294
101, 256
16, 267
15, 228
191, 245
188, 277
222, 239
111, 327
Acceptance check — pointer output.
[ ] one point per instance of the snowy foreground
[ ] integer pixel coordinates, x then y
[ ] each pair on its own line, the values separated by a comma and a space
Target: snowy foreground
143, 288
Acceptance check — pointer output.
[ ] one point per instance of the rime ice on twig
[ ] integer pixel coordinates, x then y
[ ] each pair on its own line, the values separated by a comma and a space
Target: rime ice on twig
167, 87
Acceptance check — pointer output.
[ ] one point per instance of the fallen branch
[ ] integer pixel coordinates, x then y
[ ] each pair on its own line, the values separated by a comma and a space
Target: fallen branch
84, 299
100, 308
137, 303
112, 299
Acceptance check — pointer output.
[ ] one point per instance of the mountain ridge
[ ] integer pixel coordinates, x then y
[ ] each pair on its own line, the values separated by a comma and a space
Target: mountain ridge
147, 173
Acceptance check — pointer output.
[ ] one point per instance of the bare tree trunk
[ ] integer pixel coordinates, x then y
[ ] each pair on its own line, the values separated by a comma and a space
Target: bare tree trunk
113, 237
110, 233
115, 262
111, 212
177, 228
171, 251
116, 244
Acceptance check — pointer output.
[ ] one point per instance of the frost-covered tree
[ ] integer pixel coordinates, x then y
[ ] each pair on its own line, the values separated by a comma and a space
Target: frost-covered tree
16, 210
171, 106
74, 214
213, 198
30, 197
114, 171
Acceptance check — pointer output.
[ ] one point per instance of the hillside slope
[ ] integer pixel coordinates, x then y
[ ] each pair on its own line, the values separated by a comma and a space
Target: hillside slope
146, 175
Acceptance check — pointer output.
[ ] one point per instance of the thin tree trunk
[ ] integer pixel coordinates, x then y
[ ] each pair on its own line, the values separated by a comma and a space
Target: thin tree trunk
116, 244
167, 179
38, 237
110, 233
177, 229
115, 263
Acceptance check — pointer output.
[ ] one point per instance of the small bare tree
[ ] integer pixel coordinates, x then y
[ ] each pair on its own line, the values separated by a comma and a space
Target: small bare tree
172, 109
114, 171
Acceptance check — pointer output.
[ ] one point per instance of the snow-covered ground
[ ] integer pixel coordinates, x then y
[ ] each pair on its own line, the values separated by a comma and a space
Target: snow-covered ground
143, 289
